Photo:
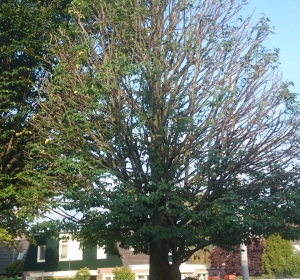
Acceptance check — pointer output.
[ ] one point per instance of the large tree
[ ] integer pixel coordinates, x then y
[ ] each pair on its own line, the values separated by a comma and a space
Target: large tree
24, 35
167, 126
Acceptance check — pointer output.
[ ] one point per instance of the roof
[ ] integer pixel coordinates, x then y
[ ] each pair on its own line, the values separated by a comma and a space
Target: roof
8, 254
129, 258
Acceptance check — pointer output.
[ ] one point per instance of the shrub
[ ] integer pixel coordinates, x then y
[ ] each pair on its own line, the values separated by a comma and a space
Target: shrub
83, 274
14, 268
123, 273
231, 260
279, 258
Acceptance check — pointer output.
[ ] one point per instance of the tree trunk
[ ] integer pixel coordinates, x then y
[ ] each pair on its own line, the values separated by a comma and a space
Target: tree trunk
160, 268
174, 271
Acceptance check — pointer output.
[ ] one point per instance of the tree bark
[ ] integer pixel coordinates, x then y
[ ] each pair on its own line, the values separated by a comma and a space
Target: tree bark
160, 268
174, 272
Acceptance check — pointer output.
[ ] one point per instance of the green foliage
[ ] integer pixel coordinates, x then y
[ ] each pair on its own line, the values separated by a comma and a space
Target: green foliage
14, 268
123, 273
83, 274
279, 258
25, 28
161, 126
5, 236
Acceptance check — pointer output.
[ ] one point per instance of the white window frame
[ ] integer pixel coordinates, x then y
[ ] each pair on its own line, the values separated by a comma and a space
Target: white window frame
39, 248
101, 255
110, 276
63, 243
74, 252
138, 275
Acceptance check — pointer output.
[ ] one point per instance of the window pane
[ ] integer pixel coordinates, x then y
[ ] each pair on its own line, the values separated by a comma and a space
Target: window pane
69, 249
64, 251
75, 251
101, 253
42, 252
20, 256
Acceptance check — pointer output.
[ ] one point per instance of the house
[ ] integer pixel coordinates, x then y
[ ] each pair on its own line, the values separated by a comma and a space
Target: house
62, 258
51, 258
10, 253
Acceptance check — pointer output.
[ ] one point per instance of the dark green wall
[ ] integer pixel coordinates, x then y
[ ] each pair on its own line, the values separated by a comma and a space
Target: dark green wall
89, 258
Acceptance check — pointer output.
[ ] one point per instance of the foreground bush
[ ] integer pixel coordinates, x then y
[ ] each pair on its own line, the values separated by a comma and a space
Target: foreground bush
123, 273
83, 274
14, 268
279, 258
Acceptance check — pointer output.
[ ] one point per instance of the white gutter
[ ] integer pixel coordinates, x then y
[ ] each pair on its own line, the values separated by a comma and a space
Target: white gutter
65, 273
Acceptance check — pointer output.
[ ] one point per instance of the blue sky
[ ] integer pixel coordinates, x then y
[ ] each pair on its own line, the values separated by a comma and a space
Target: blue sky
284, 15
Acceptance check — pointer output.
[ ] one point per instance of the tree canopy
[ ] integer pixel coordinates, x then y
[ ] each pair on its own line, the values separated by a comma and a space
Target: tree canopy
24, 32
167, 126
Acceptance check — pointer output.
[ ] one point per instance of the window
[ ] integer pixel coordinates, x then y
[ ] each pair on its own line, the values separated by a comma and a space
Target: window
64, 249
41, 253
101, 253
142, 277
69, 249
20, 256
109, 278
